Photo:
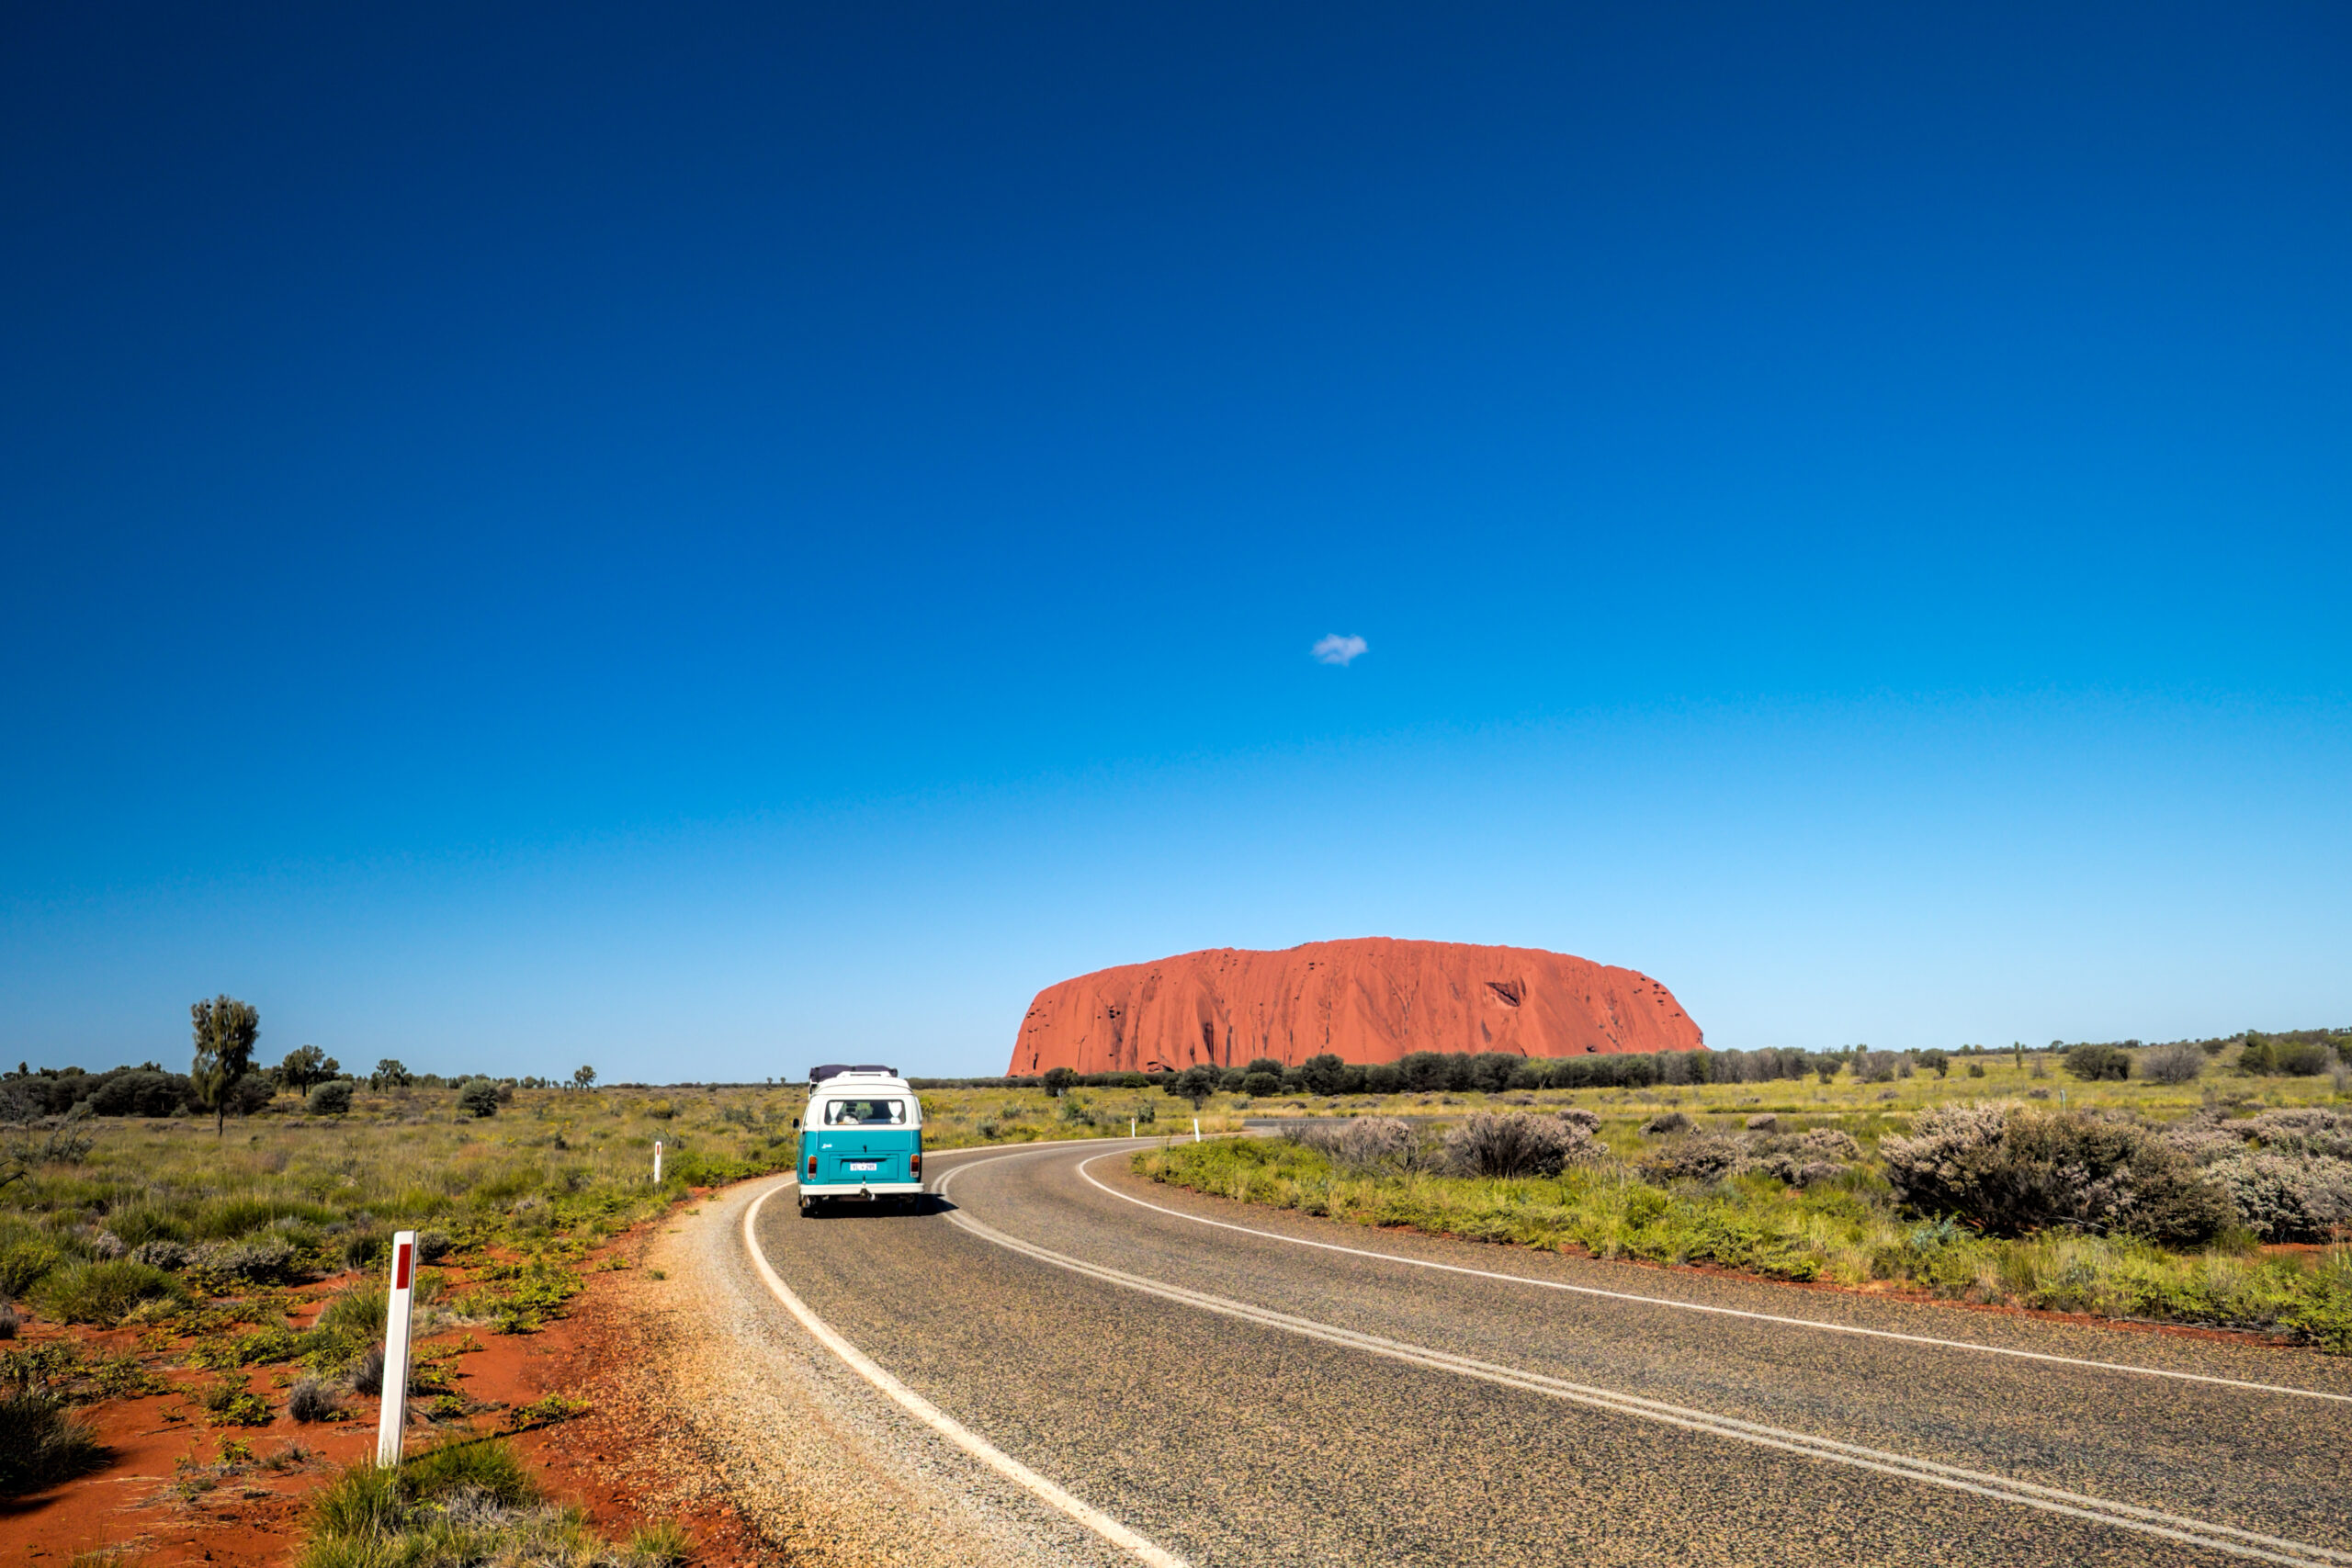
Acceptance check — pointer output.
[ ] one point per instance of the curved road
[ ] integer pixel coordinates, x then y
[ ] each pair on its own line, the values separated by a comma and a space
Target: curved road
1238, 1385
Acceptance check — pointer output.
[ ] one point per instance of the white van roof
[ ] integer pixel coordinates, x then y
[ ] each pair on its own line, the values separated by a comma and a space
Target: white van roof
860, 1081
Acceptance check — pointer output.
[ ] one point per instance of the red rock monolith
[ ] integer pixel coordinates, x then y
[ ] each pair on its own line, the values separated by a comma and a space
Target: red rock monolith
1366, 1000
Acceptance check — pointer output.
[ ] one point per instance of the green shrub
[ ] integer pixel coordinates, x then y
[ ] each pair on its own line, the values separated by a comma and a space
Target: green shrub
489, 1468
1257, 1086
39, 1443
105, 1293
137, 1226
329, 1099
479, 1097
361, 1503
358, 1313
26, 1259
2095, 1064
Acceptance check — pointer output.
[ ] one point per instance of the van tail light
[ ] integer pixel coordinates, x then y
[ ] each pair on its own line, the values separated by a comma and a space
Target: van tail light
915, 1164
812, 1168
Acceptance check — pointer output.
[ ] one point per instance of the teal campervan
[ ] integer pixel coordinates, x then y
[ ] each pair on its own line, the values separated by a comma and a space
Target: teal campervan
860, 1138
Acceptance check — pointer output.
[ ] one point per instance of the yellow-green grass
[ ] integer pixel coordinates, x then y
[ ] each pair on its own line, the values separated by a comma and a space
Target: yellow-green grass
1849, 1231
1852, 1232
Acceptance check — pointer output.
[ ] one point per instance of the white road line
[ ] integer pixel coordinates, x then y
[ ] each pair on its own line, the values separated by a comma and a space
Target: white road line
1718, 1310
938, 1420
2226, 1539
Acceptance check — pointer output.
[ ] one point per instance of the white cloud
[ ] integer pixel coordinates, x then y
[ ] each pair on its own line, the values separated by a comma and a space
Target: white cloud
1337, 649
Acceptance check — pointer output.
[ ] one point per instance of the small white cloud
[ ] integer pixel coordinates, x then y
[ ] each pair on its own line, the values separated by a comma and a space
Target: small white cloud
1337, 649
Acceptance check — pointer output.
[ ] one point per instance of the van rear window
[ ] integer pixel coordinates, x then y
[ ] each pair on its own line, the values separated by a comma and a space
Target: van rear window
866, 1112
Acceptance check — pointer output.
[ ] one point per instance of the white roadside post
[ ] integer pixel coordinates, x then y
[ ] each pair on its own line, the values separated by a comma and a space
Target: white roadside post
1196, 1129
1131, 1126
392, 1417
657, 1162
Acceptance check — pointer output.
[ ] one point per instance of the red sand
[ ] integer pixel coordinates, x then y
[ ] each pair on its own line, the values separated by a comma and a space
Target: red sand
255, 1518
1367, 1000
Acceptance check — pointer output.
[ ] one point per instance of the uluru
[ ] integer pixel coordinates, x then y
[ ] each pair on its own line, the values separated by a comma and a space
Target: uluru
1365, 999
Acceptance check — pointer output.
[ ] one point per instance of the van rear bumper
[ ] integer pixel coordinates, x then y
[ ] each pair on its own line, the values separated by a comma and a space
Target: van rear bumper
866, 1189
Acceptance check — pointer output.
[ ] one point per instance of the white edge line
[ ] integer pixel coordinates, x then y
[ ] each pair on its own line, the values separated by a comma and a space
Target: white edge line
938, 1420
1720, 1310
2047, 1499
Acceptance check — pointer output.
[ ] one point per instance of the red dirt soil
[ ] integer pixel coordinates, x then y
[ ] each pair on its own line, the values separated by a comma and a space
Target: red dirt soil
1366, 1000
625, 1461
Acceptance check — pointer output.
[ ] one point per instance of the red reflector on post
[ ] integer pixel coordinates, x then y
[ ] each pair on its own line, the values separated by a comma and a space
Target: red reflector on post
401, 1261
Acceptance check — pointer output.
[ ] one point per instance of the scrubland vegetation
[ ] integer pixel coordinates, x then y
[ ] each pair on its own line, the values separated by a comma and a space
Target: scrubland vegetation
214, 1247
465, 1501
2218, 1198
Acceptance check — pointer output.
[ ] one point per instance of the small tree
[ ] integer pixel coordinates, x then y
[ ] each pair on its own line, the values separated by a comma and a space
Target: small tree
1059, 1079
583, 1078
225, 1032
1325, 1073
1199, 1084
303, 1066
389, 1073
478, 1096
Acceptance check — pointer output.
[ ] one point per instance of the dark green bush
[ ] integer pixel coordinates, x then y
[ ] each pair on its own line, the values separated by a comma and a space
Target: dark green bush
1424, 1071
1257, 1086
2094, 1064
2283, 1056
329, 1099
479, 1097
1325, 1073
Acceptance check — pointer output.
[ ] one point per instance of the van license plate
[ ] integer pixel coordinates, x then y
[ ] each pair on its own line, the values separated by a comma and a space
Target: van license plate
862, 1164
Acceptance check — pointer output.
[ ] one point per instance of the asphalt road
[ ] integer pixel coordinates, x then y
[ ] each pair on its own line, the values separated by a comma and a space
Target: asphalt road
1241, 1398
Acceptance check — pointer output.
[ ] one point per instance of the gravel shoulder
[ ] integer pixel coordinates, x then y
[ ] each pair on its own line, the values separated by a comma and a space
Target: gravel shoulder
831, 1473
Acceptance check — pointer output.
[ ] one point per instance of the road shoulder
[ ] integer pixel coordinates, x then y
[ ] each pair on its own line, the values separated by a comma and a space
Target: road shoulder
827, 1471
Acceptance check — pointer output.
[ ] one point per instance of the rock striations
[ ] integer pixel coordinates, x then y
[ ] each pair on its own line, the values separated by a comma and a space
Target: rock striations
1369, 999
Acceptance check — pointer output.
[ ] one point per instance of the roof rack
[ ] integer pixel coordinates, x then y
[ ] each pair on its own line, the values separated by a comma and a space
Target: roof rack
834, 1070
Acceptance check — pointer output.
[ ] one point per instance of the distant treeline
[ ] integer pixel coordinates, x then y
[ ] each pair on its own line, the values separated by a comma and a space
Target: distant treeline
149, 1089
1424, 1072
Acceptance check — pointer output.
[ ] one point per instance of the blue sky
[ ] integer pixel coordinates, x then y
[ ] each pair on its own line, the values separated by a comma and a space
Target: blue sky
705, 542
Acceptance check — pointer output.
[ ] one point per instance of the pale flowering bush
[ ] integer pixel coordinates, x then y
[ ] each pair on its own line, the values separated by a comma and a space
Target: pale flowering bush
1517, 1145
2010, 1171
